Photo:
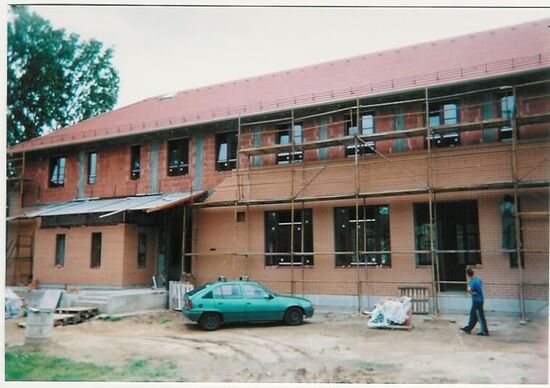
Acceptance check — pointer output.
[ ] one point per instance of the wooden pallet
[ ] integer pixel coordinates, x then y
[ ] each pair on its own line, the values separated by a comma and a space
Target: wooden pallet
65, 319
394, 327
419, 298
83, 313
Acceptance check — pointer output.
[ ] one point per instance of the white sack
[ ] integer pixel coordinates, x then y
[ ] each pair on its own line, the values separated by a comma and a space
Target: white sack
13, 304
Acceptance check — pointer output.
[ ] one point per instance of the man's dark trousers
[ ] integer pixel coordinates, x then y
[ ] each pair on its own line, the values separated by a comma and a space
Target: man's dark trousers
476, 312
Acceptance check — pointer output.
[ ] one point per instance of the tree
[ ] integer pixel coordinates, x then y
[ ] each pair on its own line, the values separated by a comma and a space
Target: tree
55, 79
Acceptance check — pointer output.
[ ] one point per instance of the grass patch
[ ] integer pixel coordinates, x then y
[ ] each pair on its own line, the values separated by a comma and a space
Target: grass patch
38, 366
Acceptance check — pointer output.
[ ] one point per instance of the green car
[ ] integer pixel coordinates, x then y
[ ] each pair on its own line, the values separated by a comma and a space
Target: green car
233, 301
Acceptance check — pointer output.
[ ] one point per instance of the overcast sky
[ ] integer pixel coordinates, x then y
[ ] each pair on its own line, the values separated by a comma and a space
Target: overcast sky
163, 49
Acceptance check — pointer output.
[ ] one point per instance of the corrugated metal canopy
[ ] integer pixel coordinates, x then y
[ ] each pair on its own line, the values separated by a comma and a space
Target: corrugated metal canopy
148, 203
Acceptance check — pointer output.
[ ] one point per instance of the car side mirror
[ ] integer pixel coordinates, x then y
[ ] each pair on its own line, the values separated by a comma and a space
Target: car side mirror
268, 296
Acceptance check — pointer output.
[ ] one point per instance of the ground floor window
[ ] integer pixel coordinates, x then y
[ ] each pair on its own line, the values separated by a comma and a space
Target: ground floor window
96, 250
366, 229
59, 250
142, 250
456, 239
278, 231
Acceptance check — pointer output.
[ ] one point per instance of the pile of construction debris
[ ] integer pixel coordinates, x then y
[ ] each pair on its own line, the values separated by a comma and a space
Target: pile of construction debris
392, 313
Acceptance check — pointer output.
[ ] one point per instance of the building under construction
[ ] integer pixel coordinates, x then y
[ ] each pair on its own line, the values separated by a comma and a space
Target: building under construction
347, 181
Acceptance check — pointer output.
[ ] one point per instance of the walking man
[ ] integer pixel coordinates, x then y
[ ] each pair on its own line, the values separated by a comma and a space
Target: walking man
475, 288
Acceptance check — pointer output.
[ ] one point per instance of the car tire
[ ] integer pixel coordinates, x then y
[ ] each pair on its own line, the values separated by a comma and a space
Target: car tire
294, 316
210, 321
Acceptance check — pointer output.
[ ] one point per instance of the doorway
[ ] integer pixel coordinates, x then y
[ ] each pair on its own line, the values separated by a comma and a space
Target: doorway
173, 238
457, 240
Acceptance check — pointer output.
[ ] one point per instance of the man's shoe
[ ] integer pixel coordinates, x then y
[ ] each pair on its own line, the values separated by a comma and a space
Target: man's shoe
465, 330
483, 334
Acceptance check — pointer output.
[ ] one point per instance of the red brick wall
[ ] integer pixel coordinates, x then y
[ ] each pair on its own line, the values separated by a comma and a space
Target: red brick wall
78, 245
113, 169
220, 237
132, 274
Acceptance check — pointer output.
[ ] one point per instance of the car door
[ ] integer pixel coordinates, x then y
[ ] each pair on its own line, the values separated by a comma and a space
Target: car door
228, 300
260, 305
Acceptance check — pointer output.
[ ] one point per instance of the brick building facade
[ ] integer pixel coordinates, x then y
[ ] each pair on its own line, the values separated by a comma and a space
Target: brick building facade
327, 193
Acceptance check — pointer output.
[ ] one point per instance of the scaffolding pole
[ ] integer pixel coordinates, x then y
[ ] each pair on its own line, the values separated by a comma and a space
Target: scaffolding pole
291, 161
517, 219
433, 255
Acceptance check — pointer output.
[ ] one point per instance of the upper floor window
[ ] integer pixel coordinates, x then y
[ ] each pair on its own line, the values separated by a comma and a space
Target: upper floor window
135, 161
506, 108
368, 235
178, 157
57, 172
443, 114
365, 128
285, 136
92, 167
226, 151
278, 236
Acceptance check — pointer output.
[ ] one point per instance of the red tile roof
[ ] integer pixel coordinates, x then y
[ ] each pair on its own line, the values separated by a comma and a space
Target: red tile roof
476, 55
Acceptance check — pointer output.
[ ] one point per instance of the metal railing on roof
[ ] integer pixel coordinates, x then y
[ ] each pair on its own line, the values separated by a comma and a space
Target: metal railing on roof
264, 106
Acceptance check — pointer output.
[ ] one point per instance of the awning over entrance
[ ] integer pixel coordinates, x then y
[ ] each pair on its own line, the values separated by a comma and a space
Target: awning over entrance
147, 203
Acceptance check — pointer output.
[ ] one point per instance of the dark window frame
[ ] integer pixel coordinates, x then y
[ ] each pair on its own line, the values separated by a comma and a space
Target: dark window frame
277, 233
376, 234
282, 131
58, 166
350, 130
180, 164
421, 223
142, 250
92, 167
230, 139
95, 261
135, 162
505, 132
60, 248
438, 110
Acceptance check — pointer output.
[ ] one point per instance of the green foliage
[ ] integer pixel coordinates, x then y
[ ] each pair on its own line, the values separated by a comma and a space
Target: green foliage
54, 78
37, 366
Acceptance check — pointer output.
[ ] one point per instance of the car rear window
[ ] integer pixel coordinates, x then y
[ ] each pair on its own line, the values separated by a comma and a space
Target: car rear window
193, 292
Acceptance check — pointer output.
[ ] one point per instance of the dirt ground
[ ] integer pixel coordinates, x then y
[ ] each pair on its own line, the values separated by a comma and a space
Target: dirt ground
330, 348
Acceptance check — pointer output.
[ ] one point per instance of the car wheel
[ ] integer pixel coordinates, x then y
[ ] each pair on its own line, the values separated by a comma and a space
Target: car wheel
210, 321
294, 316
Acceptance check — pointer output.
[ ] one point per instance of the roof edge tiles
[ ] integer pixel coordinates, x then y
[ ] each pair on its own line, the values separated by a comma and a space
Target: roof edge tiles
491, 53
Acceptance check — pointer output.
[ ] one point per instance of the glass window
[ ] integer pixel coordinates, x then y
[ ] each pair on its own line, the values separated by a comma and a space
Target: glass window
57, 172
226, 151
60, 250
142, 249
457, 229
227, 291
254, 292
278, 228
507, 107
443, 114
178, 157
370, 233
96, 250
284, 135
135, 162
367, 128
92, 167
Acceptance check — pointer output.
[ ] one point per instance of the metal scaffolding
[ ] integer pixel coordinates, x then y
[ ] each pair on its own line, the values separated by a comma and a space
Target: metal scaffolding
426, 188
